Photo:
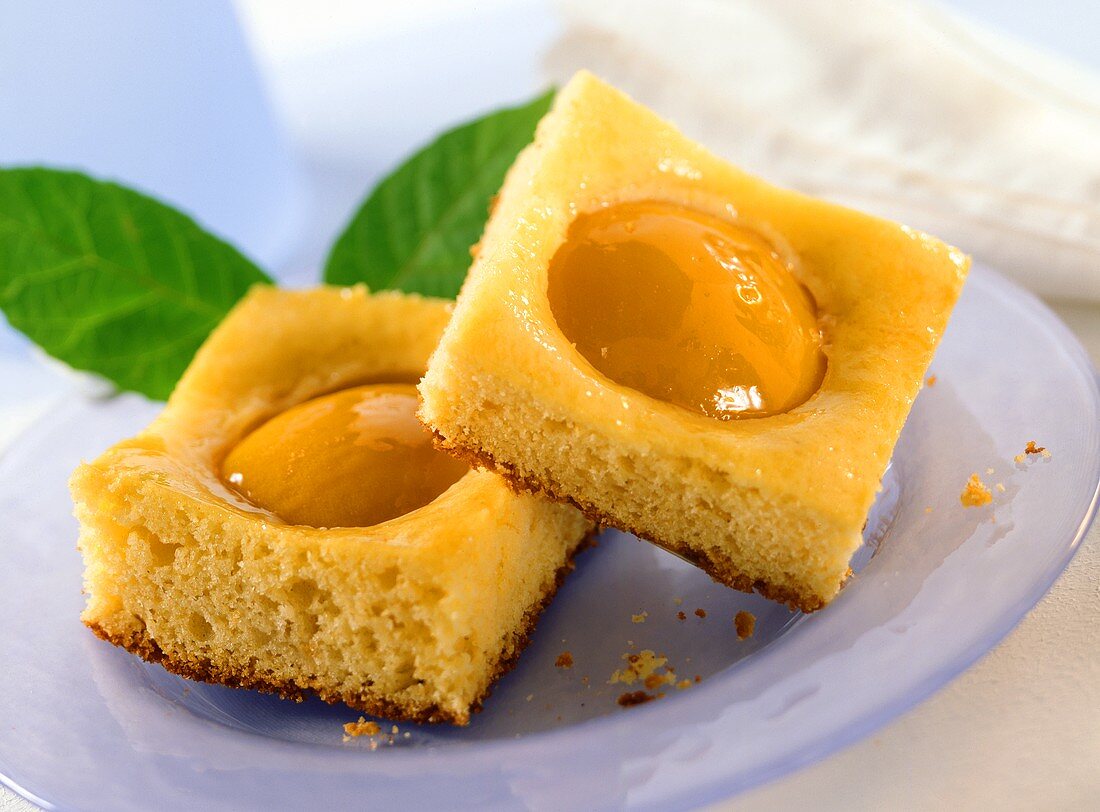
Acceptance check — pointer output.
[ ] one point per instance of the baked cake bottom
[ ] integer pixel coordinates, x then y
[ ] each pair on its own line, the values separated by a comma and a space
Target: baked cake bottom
413, 624
235, 675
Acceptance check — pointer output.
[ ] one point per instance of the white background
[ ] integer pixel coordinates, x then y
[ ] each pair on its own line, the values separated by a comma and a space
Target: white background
1019, 730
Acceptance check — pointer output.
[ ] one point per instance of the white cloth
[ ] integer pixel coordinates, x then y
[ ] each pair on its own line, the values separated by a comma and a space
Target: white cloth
897, 108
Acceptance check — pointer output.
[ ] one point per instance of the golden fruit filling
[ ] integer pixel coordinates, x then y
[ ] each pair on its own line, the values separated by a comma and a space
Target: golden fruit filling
349, 459
687, 308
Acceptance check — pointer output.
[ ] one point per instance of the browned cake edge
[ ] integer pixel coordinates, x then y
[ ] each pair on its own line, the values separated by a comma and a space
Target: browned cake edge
143, 645
721, 570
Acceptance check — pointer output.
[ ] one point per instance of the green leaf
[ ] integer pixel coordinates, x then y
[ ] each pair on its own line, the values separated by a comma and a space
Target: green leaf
109, 280
415, 230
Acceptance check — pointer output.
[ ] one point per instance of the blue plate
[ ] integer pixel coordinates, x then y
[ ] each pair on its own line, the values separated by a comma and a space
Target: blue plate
87, 726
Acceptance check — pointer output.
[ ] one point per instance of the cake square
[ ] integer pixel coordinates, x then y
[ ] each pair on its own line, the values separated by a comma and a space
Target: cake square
412, 618
774, 504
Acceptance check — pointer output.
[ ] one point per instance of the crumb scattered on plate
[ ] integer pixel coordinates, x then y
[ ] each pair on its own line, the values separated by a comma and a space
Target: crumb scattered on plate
361, 728
1031, 449
565, 660
646, 666
745, 623
640, 617
975, 494
930, 380
700, 612
631, 698
681, 616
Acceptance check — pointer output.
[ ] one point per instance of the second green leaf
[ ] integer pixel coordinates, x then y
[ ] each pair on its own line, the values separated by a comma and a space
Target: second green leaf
415, 230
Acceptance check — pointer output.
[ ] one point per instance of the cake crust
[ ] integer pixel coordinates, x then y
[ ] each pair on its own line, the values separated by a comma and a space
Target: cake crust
722, 571
202, 669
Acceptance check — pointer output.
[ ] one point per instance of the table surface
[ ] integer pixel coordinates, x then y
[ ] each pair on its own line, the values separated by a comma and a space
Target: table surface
1018, 730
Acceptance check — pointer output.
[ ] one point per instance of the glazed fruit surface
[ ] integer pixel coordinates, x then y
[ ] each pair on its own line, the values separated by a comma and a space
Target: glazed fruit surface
352, 458
687, 308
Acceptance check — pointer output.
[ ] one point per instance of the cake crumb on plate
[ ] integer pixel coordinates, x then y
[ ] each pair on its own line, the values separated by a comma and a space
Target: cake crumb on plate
1031, 449
631, 698
646, 666
361, 728
745, 623
975, 494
